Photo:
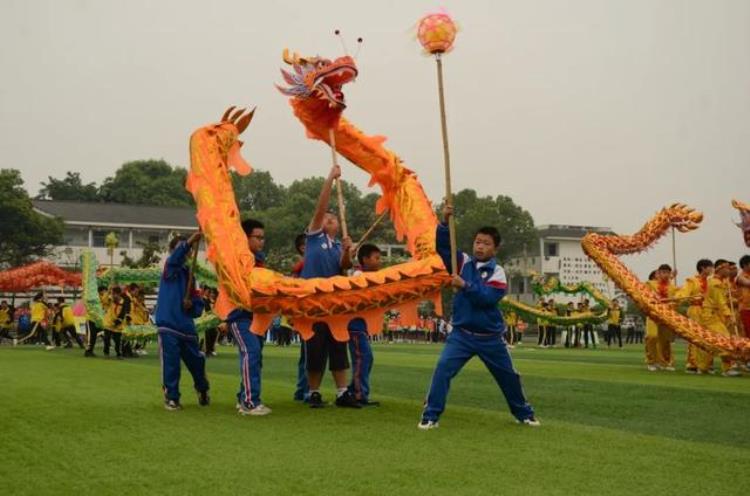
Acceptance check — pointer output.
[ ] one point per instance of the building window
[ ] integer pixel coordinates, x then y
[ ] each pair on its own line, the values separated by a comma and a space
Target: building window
98, 238
550, 249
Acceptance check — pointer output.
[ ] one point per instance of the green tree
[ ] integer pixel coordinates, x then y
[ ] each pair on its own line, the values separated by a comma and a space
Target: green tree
71, 187
24, 233
149, 257
147, 182
257, 191
515, 224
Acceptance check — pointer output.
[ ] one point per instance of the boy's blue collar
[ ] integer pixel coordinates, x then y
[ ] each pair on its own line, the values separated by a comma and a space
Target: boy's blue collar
260, 257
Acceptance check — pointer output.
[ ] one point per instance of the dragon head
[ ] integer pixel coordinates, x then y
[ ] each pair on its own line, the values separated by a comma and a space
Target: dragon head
744, 223
318, 81
684, 218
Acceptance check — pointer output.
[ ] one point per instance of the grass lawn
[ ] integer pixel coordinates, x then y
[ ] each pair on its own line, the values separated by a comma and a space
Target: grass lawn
93, 426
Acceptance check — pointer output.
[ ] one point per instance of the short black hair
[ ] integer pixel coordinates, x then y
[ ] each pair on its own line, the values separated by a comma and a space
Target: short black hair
745, 261
652, 275
299, 242
101, 288
366, 250
491, 232
249, 225
133, 286
175, 241
665, 267
61, 299
703, 263
117, 290
720, 261
38, 296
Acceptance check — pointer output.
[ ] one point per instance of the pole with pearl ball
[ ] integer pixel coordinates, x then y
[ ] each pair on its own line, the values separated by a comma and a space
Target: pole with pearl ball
436, 33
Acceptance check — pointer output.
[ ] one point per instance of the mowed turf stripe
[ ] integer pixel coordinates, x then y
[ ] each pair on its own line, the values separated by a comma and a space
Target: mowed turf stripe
630, 407
129, 445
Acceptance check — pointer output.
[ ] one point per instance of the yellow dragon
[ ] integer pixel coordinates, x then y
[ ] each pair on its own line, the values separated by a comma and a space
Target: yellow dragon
317, 99
604, 249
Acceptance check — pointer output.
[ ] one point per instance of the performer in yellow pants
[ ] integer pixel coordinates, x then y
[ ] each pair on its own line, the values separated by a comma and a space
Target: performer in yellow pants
716, 314
659, 337
693, 292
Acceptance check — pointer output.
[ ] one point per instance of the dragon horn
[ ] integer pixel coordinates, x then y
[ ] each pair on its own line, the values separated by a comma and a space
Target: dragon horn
226, 114
245, 121
290, 59
233, 118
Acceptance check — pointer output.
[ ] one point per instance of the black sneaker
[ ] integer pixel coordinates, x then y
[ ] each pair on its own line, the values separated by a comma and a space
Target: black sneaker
368, 403
172, 405
316, 400
347, 400
89, 353
203, 398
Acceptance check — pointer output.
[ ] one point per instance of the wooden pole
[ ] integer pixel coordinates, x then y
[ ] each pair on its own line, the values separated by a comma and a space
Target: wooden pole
339, 187
674, 255
369, 231
447, 164
735, 328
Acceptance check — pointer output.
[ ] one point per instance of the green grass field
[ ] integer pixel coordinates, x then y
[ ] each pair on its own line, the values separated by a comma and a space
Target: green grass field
96, 426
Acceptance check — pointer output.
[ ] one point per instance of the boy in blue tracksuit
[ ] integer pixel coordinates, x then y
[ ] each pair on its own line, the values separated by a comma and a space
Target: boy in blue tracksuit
478, 326
326, 257
174, 320
250, 345
359, 339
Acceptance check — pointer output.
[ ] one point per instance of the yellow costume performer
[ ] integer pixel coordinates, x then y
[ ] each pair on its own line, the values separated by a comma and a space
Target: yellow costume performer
716, 315
694, 291
659, 337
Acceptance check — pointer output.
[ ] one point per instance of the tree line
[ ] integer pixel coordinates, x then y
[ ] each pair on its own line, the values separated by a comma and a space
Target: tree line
283, 208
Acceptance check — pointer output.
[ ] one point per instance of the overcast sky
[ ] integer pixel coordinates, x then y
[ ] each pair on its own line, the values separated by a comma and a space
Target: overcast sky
585, 112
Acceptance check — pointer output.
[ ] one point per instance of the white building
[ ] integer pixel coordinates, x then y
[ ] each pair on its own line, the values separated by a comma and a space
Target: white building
558, 253
88, 223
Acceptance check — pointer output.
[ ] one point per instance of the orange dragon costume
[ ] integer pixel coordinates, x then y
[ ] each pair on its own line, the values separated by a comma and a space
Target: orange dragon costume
604, 251
317, 101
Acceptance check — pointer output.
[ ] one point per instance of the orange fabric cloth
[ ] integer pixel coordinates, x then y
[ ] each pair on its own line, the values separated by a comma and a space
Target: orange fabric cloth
335, 300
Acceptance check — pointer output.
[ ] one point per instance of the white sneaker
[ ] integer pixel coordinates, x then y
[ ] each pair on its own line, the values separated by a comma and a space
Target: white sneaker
49, 348
258, 411
653, 368
213, 353
669, 369
426, 425
732, 373
531, 422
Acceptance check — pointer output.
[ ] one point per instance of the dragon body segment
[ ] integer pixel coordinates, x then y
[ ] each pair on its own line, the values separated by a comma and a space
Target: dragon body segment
317, 101
604, 249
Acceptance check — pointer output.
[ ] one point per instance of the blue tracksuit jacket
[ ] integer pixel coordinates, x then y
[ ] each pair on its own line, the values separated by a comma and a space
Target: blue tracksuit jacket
475, 306
174, 279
